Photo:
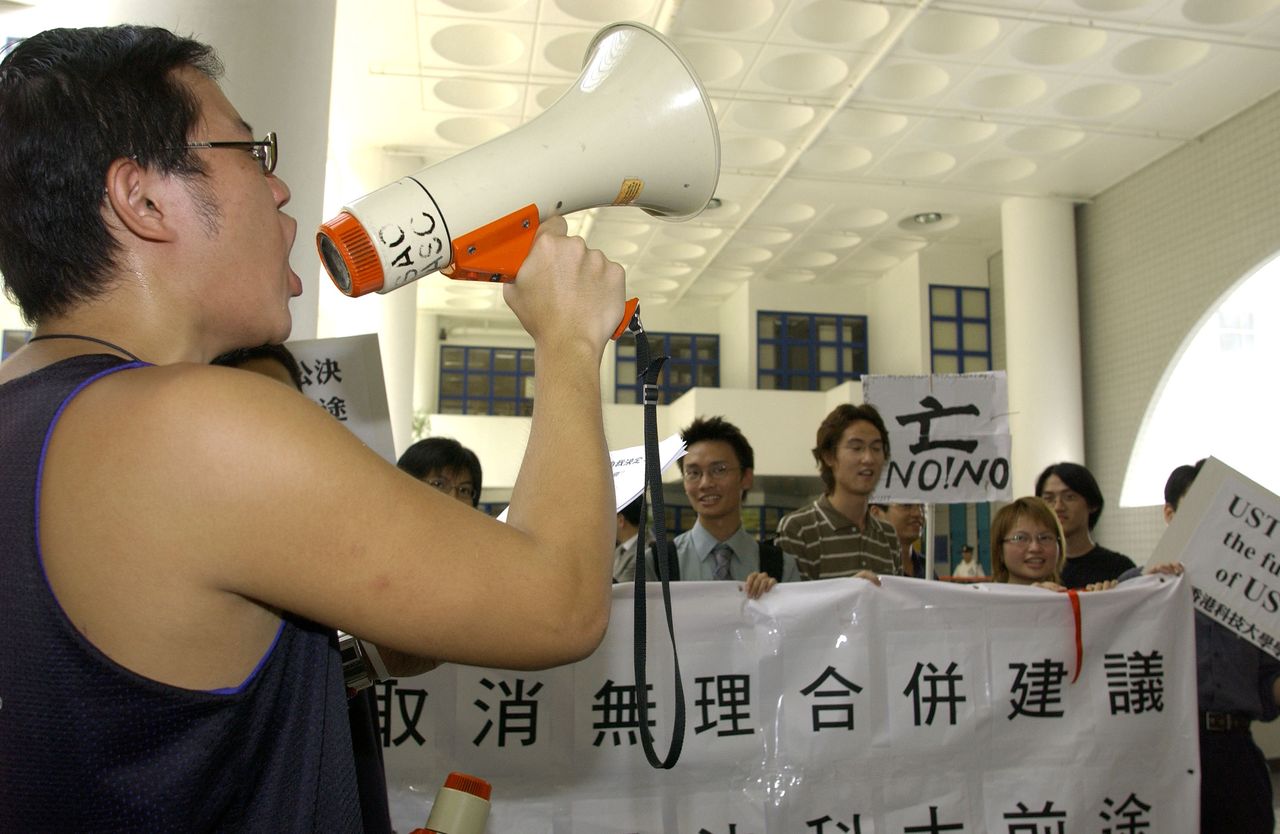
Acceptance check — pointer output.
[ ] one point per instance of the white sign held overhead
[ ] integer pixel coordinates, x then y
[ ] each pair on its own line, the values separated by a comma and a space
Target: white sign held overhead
949, 437
1227, 535
628, 470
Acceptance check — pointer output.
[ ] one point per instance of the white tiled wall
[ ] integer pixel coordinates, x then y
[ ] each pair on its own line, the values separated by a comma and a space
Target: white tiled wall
1155, 252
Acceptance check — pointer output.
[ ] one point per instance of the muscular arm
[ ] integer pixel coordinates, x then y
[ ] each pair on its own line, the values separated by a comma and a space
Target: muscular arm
185, 506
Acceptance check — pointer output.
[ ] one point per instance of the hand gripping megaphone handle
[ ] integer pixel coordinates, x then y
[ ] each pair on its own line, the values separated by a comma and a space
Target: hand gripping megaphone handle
495, 251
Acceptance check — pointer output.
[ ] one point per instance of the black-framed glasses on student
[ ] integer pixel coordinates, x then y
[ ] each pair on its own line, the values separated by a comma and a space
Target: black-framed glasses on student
266, 151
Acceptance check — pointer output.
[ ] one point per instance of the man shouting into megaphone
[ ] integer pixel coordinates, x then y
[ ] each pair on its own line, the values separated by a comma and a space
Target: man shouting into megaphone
179, 541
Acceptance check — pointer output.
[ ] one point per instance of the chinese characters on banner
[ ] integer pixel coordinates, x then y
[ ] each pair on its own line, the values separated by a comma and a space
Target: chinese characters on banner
1227, 535
949, 437
833, 707
344, 375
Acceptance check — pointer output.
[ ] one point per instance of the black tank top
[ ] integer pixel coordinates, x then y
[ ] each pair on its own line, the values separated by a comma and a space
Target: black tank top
87, 745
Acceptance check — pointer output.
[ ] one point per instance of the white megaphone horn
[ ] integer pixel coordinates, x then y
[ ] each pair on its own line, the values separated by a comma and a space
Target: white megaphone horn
635, 129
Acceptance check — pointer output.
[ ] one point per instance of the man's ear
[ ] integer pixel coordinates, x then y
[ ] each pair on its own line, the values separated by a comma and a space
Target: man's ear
138, 198
1168, 513
748, 479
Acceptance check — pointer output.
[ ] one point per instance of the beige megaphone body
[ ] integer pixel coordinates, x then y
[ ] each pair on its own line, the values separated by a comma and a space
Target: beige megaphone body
636, 129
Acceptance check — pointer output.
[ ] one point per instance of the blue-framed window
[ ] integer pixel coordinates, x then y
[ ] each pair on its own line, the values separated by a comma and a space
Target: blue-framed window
959, 329
486, 380
809, 351
694, 362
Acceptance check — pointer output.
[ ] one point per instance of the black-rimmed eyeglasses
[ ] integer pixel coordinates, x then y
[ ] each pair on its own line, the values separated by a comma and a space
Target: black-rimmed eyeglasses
264, 150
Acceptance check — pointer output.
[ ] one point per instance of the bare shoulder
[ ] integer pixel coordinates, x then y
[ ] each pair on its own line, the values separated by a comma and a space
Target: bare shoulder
200, 467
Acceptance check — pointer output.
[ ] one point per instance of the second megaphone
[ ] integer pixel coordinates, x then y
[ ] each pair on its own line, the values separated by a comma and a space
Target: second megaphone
635, 129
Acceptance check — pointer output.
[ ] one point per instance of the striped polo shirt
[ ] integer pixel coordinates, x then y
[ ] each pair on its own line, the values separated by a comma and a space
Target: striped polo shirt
827, 544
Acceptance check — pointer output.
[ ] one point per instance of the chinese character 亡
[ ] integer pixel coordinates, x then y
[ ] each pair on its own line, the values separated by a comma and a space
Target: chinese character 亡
517, 713
925, 418
842, 712
409, 716
732, 696
936, 682
1023, 821
619, 711
1129, 817
1038, 687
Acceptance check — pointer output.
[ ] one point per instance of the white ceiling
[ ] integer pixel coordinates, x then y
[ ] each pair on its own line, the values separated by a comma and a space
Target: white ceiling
839, 120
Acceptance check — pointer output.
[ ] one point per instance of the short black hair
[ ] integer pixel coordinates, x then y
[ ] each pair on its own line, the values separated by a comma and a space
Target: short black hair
631, 512
280, 353
72, 101
1079, 480
438, 453
1180, 480
718, 428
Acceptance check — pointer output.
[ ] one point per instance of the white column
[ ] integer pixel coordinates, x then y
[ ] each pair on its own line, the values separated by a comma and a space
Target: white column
1042, 335
426, 379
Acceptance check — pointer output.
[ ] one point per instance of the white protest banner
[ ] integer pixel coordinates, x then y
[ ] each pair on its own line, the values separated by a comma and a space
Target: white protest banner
628, 469
949, 437
1226, 533
829, 707
345, 376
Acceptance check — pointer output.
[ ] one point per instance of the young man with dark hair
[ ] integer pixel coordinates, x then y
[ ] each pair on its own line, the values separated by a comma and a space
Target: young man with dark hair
179, 541
444, 464
717, 469
1072, 493
837, 535
907, 521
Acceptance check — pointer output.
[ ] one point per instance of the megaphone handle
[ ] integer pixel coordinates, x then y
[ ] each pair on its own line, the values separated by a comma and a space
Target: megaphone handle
495, 251
630, 318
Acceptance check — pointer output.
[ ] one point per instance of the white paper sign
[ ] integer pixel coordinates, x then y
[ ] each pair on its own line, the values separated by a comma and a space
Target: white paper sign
344, 375
1227, 535
832, 706
628, 469
949, 437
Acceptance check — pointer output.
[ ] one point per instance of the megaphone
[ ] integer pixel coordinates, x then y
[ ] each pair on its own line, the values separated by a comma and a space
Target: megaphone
635, 129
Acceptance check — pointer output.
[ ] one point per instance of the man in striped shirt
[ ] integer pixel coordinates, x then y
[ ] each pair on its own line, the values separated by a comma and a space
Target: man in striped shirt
836, 535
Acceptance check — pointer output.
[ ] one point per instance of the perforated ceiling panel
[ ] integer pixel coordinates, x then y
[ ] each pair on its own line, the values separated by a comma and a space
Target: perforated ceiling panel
840, 121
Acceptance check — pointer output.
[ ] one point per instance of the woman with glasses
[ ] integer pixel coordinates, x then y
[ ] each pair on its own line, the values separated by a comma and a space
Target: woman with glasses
1027, 545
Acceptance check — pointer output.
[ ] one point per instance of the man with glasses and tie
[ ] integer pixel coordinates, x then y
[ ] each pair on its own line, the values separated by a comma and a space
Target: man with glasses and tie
717, 471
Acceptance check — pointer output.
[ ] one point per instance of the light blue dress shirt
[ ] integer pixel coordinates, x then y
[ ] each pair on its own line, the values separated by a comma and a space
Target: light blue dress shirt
693, 550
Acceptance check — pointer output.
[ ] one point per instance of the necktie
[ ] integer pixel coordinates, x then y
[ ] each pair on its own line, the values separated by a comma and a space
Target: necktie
721, 552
